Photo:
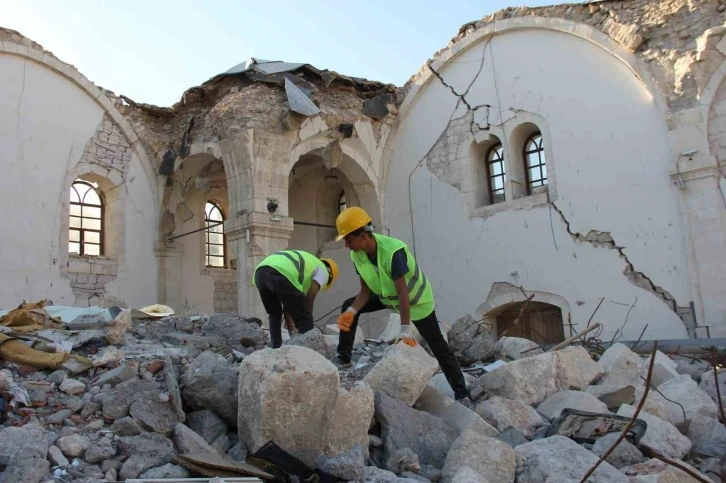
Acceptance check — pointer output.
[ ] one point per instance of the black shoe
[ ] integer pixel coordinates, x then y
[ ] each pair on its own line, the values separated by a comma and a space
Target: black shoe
343, 362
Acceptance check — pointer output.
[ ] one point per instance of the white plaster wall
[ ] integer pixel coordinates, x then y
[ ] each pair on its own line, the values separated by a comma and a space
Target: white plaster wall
137, 281
45, 122
611, 156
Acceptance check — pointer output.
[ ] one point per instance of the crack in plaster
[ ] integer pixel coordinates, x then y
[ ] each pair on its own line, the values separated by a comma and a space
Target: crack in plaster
605, 239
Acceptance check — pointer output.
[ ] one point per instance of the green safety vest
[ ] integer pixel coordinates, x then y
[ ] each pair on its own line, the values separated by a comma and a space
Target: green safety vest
378, 279
296, 265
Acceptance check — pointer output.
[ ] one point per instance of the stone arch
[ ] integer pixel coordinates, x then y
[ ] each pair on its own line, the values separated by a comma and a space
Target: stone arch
713, 103
49, 61
501, 27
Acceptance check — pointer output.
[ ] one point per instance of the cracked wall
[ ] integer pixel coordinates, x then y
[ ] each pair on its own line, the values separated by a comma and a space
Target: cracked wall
608, 143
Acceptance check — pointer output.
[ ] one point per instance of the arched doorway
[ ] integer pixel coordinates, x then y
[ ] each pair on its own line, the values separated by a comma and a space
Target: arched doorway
537, 321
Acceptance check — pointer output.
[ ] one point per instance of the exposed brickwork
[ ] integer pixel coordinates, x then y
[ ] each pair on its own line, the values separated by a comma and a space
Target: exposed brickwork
108, 148
717, 126
225, 291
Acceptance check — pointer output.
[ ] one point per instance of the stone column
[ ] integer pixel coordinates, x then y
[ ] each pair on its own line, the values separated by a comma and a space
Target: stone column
257, 164
170, 275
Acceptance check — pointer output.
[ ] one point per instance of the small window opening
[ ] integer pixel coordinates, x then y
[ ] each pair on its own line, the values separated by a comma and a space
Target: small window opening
342, 204
535, 166
496, 173
85, 235
214, 255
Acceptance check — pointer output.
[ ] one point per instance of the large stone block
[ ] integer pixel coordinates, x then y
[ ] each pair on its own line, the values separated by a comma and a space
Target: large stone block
686, 395
622, 366
288, 396
624, 454
462, 418
470, 340
656, 471
708, 384
707, 436
660, 436
559, 459
530, 380
29, 470
234, 330
187, 441
575, 369
517, 348
552, 406
655, 404
19, 443
489, 457
402, 373
211, 383
117, 403
427, 436
664, 369
144, 452
507, 414
351, 420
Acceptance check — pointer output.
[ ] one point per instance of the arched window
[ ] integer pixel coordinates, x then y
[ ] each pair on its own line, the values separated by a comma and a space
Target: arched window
342, 204
213, 236
496, 173
85, 235
535, 167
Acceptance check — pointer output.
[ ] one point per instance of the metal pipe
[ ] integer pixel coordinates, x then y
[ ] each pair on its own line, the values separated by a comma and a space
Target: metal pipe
195, 231
305, 223
683, 346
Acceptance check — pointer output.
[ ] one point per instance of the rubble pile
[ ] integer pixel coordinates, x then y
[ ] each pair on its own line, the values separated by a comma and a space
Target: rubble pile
185, 396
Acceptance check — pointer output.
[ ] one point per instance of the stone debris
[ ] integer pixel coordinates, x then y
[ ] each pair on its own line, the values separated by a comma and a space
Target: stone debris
208, 384
656, 471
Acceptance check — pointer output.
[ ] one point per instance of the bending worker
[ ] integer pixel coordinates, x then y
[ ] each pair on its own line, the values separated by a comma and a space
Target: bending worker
288, 282
391, 279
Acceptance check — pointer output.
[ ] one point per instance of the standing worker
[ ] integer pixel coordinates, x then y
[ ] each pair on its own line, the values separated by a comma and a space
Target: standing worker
288, 282
391, 279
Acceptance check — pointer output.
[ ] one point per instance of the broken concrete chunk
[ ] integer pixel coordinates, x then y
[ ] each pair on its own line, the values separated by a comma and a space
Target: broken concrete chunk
692, 367
660, 436
145, 451
707, 436
575, 369
187, 441
686, 395
19, 443
348, 465
29, 470
515, 348
351, 420
126, 426
211, 383
75, 445
613, 396
154, 415
234, 329
513, 438
377, 108
507, 414
622, 366
552, 407
655, 404
708, 384
313, 340
530, 380
118, 401
470, 340
99, 452
462, 418
559, 459
403, 460
467, 475
403, 372
625, 454
57, 457
207, 424
276, 386
109, 355
656, 471
428, 436
118, 375
168, 471
664, 369
491, 458
72, 386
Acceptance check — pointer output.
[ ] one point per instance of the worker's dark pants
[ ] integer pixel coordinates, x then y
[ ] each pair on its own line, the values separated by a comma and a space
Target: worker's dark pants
278, 296
428, 328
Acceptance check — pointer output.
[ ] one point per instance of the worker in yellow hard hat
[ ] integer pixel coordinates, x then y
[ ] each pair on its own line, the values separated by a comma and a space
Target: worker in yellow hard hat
391, 279
288, 282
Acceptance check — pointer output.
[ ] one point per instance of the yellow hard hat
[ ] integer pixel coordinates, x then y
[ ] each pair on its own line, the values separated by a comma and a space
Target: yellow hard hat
333, 271
350, 220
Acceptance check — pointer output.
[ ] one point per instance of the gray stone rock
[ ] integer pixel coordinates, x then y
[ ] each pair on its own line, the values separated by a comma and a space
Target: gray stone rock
553, 405
513, 438
491, 458
221, 444
99, 452
655, 404
559, 459
467, 475
613, 396
181, 339
126, 427
211, 383
74, 403
351, 419
403, 460
89, 409
462, 418
57, 457
145, 451
57, 377
75, 445
708, 384
711, 467
28, 470
348, 465
172, 388
187, 441
707, 436
470, 340
684, 391
238, 452
530, 380
407, 475
622, 366
155, 416
169, 471
660, 436
268, 379
59, 416
691, 367
429, 472
371, 474
507, 414
575, 369
313, 340
72, 386
625, 454
403, 427
117, 402
402, 373
207, 424
516, 348
656, 471
664, 369
234, 329
118, 375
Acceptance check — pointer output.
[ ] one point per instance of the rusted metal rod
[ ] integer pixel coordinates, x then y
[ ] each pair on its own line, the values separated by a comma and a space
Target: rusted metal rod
572, 339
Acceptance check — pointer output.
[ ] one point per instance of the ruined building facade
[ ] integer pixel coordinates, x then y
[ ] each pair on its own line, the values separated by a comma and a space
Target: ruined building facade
572, 155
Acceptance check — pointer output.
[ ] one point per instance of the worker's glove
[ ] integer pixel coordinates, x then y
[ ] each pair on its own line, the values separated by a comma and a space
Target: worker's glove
345, 320
404, 335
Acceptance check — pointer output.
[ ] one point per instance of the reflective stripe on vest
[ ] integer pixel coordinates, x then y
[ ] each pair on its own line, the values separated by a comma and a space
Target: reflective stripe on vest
379, 280
296, 265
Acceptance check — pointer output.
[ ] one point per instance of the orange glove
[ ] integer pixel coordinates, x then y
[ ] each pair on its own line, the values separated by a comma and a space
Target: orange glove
408, 341
405, 337
345, 320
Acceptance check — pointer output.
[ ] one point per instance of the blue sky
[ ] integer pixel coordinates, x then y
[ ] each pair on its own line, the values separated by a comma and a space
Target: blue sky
153, 50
